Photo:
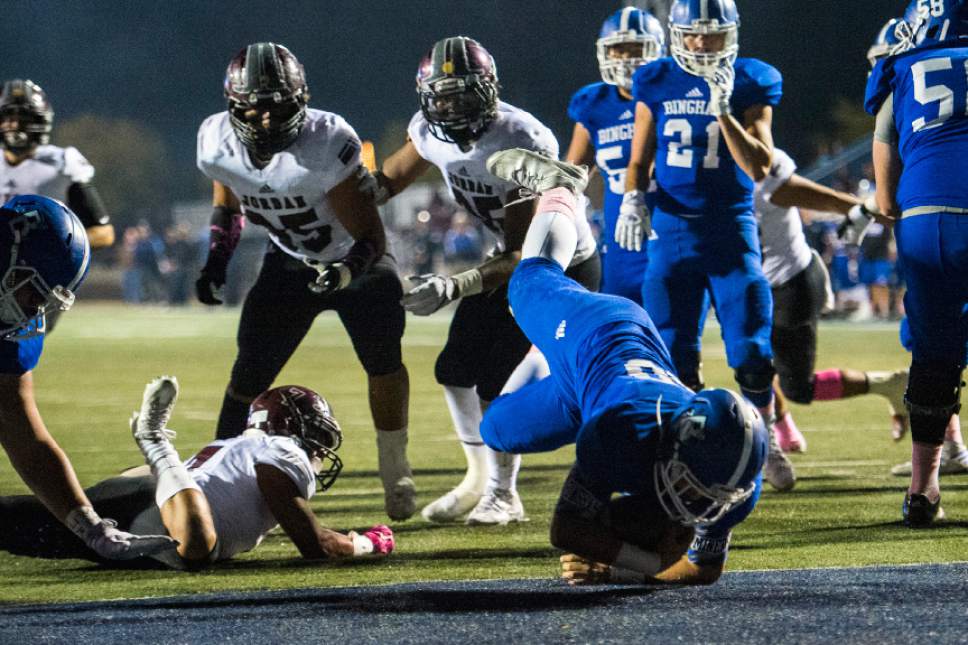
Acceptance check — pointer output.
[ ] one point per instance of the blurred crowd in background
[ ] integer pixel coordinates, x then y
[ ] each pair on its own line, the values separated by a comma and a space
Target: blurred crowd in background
430, 233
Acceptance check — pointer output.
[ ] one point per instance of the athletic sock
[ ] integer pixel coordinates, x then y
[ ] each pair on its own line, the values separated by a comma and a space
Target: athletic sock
391, 448
925, 461
828, 385
503, 470
953, 432
169, 471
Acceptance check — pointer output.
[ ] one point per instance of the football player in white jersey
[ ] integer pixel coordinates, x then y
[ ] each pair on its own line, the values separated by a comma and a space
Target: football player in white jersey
227, 497
31, 166
459, 125
292, 169
800, 285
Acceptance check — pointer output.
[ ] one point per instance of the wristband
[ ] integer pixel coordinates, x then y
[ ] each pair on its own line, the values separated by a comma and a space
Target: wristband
468, 283
638, 560
81, 520
362, 545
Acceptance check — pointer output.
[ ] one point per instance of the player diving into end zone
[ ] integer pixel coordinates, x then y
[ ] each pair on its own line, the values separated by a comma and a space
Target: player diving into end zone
687, 465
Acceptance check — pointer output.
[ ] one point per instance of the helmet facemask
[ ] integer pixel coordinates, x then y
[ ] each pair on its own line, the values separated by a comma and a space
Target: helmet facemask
687, 500
25, 298
618, 70
267, 95
26, 118
704, 63
458, 110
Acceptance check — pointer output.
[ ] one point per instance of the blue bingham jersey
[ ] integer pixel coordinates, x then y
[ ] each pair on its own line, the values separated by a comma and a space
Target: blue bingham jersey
694, 170
609, 119
21, 356
930, 101
616, 453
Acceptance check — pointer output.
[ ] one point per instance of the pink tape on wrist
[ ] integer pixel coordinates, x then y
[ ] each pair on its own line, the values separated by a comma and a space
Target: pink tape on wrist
828, 385
559, 200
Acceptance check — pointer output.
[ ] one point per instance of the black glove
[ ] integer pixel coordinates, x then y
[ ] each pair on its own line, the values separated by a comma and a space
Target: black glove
209, 285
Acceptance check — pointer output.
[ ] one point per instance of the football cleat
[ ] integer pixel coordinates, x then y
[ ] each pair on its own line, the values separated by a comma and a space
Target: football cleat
400, 499
452, 506
892, 385
149, 425
919, 512
954, 461
536, 172
788, 436
497, 507
778, 470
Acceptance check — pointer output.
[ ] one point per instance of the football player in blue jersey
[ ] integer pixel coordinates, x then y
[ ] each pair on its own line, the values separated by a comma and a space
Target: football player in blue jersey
604, 115
687, 464
44, 255
920, 141
703, 118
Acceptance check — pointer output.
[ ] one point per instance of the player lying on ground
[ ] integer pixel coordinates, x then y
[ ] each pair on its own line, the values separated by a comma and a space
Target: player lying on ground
225, 499
681, 458
44, 256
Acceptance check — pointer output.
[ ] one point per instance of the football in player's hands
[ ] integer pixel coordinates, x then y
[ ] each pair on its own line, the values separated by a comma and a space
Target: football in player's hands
644, 524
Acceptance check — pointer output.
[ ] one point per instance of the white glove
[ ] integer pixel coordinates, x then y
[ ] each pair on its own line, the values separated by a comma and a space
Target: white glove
855, 223
373, 186
104, 538
634, 221
430, 293
720, 83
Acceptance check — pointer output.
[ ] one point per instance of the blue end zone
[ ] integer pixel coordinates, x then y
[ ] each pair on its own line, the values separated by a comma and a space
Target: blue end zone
877, 604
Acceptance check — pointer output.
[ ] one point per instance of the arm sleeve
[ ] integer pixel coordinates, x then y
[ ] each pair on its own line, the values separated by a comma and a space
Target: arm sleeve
84, 200
884, 130
781, 170
283, 453
711, 543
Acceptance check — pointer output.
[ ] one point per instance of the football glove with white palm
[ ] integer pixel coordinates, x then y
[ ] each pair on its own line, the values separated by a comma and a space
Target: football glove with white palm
720, 82
634, 221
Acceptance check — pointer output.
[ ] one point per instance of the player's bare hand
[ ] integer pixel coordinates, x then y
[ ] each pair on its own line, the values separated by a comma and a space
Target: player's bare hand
576, 570
372, 186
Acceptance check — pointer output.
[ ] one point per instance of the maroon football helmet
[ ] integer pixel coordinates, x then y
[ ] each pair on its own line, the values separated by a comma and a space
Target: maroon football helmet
266, 77
457, 86
298, 412
24, 103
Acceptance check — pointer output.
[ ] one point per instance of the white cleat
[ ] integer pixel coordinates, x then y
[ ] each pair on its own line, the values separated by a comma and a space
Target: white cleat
778, 470
452, 506
497, 507
148, 426
536, 172
400, 499
954, 461
892, 386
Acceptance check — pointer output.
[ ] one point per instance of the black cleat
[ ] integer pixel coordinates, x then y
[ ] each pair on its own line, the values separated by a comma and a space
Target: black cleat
919, 512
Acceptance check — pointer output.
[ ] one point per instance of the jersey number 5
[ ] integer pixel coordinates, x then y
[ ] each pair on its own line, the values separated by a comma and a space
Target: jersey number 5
940, 94
680, 156
616, 176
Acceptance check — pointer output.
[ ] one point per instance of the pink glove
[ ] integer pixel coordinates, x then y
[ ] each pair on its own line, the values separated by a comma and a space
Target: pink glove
377, 541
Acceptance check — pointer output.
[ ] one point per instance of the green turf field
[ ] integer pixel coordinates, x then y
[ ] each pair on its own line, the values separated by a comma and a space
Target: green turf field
844, 511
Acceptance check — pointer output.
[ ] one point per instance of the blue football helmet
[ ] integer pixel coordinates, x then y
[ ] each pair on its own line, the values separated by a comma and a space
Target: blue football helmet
44, 256
704, 17
939, 20
628, 26
894, 38
710, 456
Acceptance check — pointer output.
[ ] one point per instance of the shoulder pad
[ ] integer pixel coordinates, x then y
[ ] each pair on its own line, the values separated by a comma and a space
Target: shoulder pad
583, 100
647, 75
765, 81
417, 132
211, 134
76, 167
879, 85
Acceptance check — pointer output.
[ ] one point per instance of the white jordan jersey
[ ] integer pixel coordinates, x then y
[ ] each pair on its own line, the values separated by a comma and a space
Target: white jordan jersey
288, 196
785, 249
225, 471
479, 192
49, 172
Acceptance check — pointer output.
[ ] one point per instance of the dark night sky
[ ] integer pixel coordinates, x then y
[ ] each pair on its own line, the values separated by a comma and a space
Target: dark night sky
162, 62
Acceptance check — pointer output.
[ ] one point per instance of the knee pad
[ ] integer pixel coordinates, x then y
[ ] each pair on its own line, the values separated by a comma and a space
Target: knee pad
796, 389
933, 395
756, 383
